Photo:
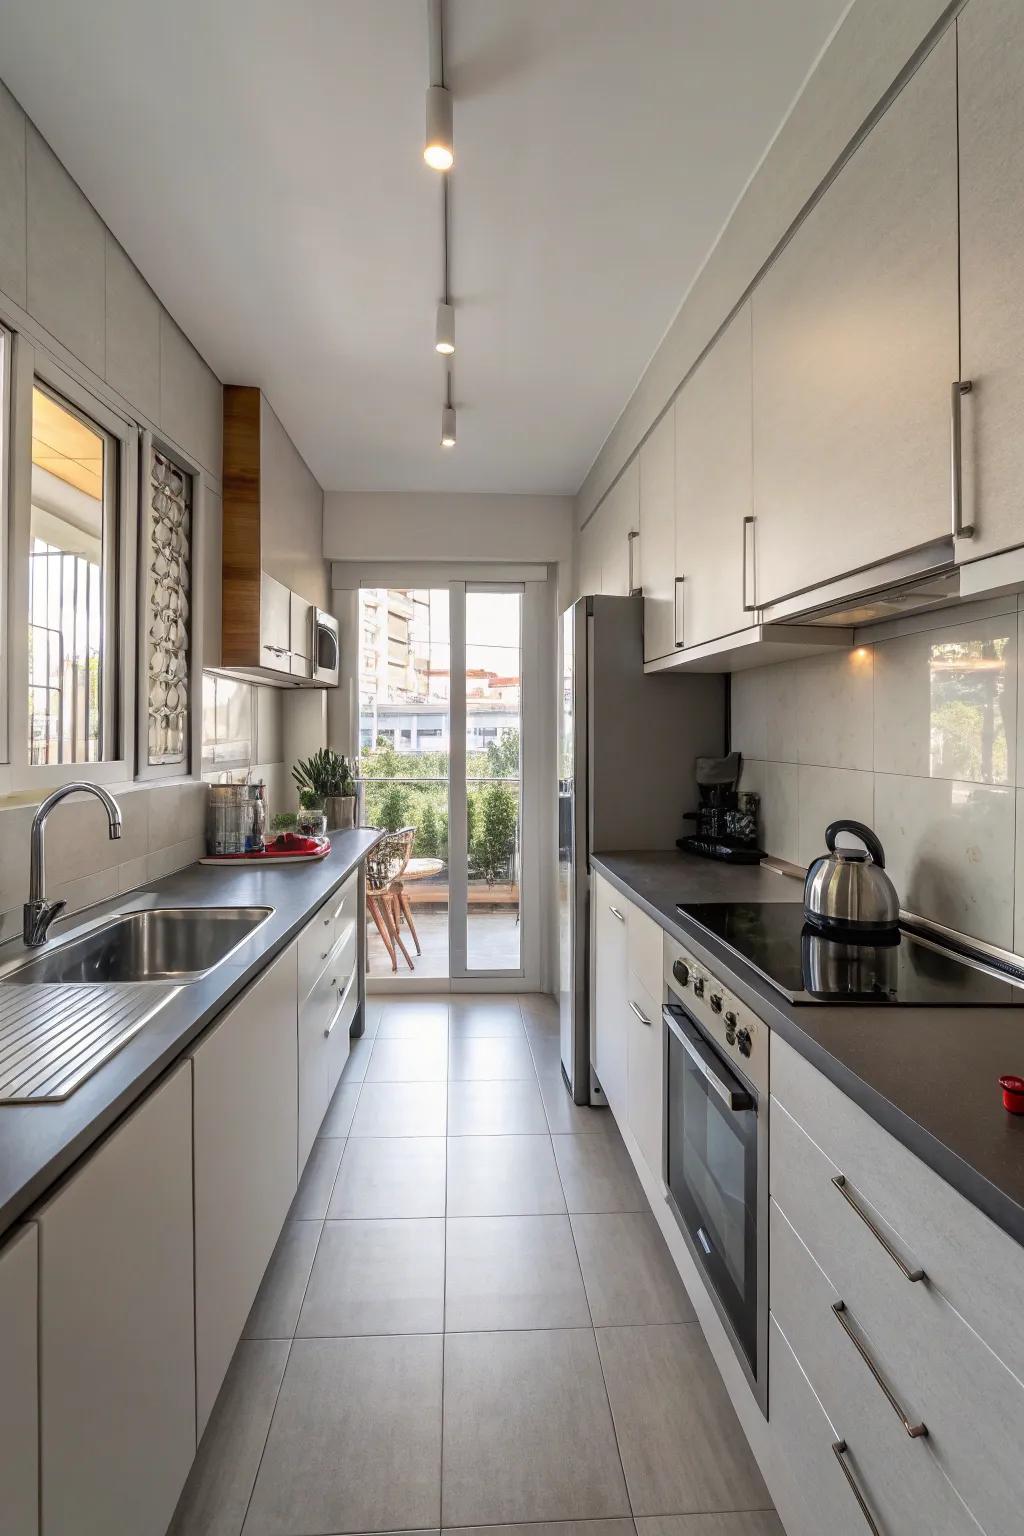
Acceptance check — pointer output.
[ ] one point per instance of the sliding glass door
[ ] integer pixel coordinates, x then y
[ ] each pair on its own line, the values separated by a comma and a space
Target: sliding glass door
442, 741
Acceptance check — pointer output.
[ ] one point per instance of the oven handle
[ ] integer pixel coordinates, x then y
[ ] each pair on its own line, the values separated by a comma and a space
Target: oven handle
719, 1080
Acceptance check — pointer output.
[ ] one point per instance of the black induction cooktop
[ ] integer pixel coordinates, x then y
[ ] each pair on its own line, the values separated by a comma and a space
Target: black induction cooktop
807, 967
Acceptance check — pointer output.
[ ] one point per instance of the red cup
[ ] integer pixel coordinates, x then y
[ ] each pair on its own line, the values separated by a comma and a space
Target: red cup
1013, 1093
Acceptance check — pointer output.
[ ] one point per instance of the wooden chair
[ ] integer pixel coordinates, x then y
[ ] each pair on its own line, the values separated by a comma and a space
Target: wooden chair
386, 900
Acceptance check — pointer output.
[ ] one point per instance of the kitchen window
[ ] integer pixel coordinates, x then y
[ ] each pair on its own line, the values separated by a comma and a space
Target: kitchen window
72, 559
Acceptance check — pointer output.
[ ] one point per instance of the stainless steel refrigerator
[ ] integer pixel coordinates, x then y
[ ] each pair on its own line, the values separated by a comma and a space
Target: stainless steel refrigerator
628, 742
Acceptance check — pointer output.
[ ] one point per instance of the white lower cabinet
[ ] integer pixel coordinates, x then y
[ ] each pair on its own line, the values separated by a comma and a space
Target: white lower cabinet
609, 1040
19, 1384
327, 949
116, 1327
644, 1037
246, 1165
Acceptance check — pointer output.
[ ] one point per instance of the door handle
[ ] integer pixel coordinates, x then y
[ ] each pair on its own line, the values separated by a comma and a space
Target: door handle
915, 1431
958, 389
839, 1450
675, 613
748, 607
616, 913
839, 1180
722, 1084
632, 588
639, 1013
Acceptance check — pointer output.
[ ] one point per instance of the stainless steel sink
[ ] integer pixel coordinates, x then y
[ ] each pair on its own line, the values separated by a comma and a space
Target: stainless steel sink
170, 944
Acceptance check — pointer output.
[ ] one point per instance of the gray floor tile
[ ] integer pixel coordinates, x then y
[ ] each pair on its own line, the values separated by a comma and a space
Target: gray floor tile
376, 1277
356, 1440
597, 1174
628, 1270
503, 1176
481, 1018
276, 1308
547, 1055
401, 1109
565, 1117
548, 1528
757, 1522
509, 1108
416, 1060
313, 1195
214, 1499
413, 1019
354, 1069
512, 1272
373, 1007
338, 1119
681, 1443
540, 1013
509, 1401
490, 1058
393, 1176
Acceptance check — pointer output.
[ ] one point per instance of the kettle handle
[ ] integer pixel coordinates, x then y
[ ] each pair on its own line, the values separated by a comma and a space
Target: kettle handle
858, 829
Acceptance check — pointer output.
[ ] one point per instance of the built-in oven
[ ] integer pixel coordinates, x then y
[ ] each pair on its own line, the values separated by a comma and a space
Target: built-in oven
326, 648
715, 1153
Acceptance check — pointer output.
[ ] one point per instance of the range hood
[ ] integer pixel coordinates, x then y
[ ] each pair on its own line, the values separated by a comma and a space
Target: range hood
912, 583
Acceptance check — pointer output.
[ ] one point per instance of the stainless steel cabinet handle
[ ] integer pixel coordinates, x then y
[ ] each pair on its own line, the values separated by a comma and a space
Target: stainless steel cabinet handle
748, 607
911, 1274
839, 1449
616, 913
958, 389
639, 1013
721, 1083
675, 613
632, 588
915, 1431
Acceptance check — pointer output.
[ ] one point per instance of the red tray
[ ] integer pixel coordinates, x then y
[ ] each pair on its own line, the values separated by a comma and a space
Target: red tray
271, 855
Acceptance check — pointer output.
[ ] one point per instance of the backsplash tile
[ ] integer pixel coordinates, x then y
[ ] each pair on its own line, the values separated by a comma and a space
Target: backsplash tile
921, 735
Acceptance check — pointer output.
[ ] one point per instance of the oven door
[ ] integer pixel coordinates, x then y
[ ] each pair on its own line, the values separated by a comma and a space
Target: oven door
711, 1155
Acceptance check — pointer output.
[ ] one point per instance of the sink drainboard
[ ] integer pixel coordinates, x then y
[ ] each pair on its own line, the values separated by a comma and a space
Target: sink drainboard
53, 1037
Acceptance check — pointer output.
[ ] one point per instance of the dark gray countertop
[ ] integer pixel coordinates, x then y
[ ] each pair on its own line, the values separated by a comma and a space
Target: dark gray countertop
928, 1075
39, 1142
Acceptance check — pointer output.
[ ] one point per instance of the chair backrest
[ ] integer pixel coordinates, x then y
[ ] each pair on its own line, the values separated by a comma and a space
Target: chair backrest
386, 862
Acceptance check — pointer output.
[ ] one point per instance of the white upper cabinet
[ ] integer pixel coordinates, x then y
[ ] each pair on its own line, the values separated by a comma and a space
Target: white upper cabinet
855, 348
609, 561
658, 538
714, 490
991, 79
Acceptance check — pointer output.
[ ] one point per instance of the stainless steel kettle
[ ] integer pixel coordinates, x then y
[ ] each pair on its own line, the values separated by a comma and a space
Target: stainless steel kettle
847, 890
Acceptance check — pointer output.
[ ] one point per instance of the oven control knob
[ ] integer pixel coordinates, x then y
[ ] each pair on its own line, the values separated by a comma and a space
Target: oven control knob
716, 1002
730, 1026
698, 986
681, 972
744, 1042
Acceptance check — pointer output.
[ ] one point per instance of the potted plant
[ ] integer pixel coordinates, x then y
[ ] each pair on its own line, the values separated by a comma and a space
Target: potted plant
328, 777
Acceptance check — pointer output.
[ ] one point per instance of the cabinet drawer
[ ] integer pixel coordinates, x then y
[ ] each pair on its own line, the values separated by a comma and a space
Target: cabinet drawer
975, 1266
933, 1362
344, 903
645, 943
900, 1475
315, 943
339, 1041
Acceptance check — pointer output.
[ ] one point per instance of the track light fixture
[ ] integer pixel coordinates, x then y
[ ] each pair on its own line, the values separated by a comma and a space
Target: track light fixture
444, 339
439, 144
448, 418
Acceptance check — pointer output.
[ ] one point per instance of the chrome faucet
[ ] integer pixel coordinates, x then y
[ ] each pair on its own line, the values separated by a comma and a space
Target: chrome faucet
40, 913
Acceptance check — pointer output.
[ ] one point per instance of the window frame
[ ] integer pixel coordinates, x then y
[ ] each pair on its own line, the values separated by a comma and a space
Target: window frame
31, 364
7, 336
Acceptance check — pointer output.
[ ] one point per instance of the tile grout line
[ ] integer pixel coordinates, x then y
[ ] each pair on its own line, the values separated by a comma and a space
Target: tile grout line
444, 1272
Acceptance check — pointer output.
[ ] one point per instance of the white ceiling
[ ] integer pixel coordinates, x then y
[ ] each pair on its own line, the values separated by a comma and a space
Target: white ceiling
261, 162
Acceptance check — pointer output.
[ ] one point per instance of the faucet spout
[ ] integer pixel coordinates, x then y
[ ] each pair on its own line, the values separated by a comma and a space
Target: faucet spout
38, 912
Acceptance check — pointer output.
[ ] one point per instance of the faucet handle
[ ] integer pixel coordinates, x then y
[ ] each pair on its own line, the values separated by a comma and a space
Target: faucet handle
36, 919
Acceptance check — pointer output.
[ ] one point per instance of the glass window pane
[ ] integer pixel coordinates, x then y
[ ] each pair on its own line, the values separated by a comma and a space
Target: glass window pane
404, 738
70, 553
228, 722
493, 791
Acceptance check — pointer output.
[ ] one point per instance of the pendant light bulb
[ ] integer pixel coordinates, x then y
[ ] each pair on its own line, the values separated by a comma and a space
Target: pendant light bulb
439, 145
448, 426
444, 335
